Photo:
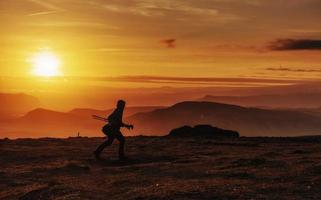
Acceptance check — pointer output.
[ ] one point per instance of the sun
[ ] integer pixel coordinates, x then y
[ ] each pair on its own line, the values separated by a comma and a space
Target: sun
45, 63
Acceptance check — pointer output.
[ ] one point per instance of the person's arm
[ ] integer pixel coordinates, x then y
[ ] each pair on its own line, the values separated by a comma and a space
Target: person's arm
128, 126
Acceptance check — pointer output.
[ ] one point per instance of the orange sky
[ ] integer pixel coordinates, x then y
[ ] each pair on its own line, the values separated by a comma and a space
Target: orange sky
210, 38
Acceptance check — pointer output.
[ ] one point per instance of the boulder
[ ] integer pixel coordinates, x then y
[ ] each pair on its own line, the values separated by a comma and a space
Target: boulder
206, 131
182, 131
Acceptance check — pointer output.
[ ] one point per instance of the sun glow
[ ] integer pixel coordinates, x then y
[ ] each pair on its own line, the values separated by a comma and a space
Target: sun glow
45, 63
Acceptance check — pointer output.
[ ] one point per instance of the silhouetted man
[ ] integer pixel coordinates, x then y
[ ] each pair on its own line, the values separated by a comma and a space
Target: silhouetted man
112, 130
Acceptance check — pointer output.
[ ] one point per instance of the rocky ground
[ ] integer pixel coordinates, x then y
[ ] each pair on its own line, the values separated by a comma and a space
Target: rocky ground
162, 168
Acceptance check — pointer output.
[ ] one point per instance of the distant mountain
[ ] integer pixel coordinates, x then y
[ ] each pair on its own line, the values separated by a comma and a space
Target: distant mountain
311, 111
87, 112
13, 105
48, 123
294, 100
247, 121
149, 121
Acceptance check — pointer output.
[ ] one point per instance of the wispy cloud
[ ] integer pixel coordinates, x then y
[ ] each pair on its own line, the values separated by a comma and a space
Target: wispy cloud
49, 8
305, 31
183, 10
72, 24
111, 50
286, 69
43, 13
46, 4
295, 44
156, 8
177, 6
209, 81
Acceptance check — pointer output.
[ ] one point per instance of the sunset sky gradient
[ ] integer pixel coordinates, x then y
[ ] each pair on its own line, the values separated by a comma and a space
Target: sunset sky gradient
140, 43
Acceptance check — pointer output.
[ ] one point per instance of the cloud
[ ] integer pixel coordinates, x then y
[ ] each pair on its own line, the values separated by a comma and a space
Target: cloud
46, 5
170, 43
285, 69
49, 8
295, 44
189, 80
182, 10
110, 50
69, 23
43, 13
305, 31
159, 8
176, 6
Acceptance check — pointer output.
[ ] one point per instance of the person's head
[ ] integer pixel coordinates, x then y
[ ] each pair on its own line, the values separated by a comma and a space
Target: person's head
121, 104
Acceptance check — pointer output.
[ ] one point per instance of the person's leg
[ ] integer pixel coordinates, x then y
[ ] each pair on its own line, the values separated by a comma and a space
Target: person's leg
101, 147
121, 151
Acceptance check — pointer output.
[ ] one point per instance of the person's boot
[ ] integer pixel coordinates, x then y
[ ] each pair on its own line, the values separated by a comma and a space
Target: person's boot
122, 156
97, 155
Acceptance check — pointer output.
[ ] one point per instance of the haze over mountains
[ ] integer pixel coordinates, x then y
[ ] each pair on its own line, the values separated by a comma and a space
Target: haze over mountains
248, 121
159, 121
292, 110
13, 105
295, 100
48, 123
104, 97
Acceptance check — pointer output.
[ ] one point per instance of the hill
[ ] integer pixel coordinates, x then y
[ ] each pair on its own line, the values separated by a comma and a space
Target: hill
247, 121
294, 100
15, 104
85, 112
159, 121
49, 123
43, 122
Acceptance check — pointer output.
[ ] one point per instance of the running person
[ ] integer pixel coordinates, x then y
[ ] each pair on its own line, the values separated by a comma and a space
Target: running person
112, 130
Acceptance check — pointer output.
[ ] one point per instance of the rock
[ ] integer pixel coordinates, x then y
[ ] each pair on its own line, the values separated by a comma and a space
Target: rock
207, 131
182, 131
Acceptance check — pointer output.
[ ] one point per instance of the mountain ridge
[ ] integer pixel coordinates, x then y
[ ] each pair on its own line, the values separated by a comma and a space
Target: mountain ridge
247, 120
291, 100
